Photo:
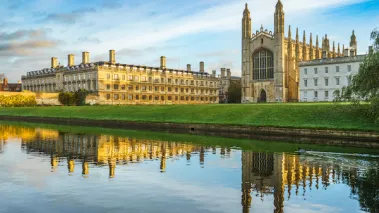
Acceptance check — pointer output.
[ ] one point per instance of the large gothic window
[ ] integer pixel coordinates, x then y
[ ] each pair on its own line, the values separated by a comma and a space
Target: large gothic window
263, 65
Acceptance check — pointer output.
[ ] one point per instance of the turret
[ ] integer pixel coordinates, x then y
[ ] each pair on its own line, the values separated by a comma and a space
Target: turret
297, 43
334, 50
317, 48
246, 23
338, 50
279, 75
305, 56
289, 34
353, 42
311, 53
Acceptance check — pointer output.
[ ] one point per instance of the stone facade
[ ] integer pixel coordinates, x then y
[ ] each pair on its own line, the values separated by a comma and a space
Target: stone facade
270, 71
224, 82
116, 83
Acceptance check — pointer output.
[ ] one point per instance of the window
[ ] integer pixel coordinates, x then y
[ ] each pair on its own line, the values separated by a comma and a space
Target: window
316, 94
130, 97
169, 89
123, 96
315, 80
181, 89
150, 97
123, 78
130, 87
263, 65
143, 88
143, 78
150, 79
115, 77
162, 80
150, 88
130, 77
169, 98
137, 88
316, 70
156, 89
176, 98
136, 78
108, 76
337, 68
144, 97
169, 80
115, 86
162, 98
305, 94
305, 82
116, 96
326, 94
123, 87
108, 86
156, 98
176, 89
305, 71
137, 97
326, 69
162, 89
337, 81
349, 68
326, 82
108, 96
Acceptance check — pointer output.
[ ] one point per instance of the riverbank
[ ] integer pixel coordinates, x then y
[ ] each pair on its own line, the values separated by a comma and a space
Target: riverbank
237, 127
291, 115
244, 144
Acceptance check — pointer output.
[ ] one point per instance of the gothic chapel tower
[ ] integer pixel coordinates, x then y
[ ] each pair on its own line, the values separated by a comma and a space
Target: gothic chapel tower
246, 36
280, 93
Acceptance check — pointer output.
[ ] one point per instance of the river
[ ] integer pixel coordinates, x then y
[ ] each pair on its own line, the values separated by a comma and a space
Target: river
51, 168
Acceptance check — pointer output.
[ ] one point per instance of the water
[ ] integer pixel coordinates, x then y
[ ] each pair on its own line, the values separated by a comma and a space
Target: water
73, 169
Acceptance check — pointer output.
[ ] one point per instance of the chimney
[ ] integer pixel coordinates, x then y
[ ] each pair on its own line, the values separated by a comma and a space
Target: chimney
346, 52
112, 56
222, 72
189, 67
214, 73
228, 73
163, 62
370, 50
85, 57
54, 62
324, 55
201, 66
70, 60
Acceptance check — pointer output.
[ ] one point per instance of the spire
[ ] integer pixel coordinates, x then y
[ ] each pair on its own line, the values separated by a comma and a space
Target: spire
246, 12
310, 41
353, 40
261, 27
297, 35
246, 23
289, 34
334, 47
317, 41
339, 50
279, 6
304, 39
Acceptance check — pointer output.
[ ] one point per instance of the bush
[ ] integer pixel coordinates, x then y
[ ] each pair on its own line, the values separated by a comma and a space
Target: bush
17, 101
77, 98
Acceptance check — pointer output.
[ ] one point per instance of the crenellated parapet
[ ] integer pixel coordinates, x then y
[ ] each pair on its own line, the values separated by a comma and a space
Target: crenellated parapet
260, 32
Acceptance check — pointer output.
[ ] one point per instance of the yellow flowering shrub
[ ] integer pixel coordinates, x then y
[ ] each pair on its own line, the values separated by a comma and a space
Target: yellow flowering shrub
17, 101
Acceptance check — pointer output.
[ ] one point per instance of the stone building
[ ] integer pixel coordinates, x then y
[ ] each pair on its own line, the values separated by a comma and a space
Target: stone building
320, 78
115, 83
10, 87
270, 70
224, 82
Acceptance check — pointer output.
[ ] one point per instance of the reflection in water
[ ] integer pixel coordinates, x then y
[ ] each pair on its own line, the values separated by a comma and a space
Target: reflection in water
279, 176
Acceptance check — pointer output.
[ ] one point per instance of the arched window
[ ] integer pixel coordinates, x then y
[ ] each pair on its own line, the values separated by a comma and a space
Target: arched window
263, 65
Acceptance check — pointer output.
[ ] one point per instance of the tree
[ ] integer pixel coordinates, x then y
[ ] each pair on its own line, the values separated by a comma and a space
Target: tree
365, 84
234, 92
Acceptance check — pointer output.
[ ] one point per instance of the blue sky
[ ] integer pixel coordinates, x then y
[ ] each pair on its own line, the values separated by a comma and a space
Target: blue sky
33, 31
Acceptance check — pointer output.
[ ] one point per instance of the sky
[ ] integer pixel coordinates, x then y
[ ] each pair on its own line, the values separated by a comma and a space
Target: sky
186, 32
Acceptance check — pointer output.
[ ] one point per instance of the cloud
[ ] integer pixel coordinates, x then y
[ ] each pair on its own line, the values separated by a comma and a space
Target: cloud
87, 39
23, 33
68, 18
26, 48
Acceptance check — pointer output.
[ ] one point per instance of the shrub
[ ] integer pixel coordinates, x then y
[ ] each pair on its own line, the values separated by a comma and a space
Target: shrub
77, 98
17, 101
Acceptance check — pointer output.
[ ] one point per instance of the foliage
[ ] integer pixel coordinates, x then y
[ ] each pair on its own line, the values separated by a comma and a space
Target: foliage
77, 98
365, 84
234, 92
291, 115
17, 101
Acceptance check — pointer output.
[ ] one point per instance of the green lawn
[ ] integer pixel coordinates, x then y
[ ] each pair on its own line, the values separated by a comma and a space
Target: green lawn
301, 115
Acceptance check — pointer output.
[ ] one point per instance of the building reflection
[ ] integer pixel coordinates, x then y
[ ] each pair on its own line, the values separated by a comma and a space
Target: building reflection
279, 176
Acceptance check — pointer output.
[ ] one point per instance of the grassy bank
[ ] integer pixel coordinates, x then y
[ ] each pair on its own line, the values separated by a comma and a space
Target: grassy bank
244, 144
296, 115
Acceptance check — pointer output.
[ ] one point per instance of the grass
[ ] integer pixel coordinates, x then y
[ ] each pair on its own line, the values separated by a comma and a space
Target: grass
243, 144
292, 115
